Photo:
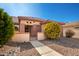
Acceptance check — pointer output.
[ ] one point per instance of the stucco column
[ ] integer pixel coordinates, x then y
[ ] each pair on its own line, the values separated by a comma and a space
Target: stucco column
61, 34
22, 28
42, 28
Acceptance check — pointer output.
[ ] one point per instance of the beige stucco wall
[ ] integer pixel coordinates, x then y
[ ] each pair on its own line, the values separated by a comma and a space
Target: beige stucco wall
32, 23
26, 22
22, 28
76, 33
25, 37
40, 36
42, 28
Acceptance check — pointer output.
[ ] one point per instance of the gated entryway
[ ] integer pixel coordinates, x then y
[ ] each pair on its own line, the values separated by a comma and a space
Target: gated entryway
32, 30
33, 33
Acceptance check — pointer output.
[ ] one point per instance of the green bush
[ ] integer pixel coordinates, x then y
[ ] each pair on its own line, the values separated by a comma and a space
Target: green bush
69, 33
6, 27
52, 30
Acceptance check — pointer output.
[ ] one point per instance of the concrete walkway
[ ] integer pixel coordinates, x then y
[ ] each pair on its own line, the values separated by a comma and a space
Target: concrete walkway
44, 50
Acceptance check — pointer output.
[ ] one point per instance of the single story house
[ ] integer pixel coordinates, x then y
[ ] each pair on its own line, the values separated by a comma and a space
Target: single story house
30, 27
74, 26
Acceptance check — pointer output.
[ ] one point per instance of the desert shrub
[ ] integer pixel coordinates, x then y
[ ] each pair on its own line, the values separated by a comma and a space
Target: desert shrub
6, 27
52, 30
69, 33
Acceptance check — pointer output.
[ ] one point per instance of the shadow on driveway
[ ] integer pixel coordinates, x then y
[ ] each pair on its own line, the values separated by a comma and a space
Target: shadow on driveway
66, 42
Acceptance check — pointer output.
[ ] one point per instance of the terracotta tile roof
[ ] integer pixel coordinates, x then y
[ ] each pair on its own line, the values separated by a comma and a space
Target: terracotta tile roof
37, 19
29, 18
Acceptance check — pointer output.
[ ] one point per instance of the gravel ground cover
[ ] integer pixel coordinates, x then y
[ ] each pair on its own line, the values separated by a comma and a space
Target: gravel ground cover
26, 49
65, 46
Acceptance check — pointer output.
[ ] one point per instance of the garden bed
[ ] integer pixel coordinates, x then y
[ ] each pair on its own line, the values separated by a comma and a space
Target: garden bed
26, 49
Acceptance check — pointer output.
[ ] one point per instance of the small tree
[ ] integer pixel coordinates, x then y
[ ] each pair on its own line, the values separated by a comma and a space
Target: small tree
52, 30
6, 27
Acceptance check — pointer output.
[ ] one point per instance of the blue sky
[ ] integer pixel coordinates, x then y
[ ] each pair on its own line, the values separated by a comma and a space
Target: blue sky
62, 12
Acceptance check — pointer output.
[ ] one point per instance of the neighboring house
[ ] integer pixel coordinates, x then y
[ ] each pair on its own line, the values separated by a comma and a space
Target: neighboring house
31, 25
72, 26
